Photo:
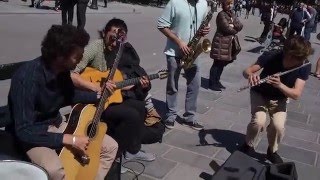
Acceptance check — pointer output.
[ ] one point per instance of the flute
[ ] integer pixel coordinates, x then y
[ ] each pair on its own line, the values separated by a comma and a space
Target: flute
268, 77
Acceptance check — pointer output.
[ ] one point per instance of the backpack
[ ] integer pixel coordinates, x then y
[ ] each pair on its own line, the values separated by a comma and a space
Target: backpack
153, 134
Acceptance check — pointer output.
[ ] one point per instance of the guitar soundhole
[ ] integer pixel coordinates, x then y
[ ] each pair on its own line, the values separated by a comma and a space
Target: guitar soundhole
91, 131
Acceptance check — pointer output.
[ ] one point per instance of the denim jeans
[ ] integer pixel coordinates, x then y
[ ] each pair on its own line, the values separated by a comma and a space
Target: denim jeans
149, 104
193, 84
307, 33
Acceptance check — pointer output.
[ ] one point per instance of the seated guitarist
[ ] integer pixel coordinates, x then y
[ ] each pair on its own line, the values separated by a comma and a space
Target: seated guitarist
126, 120
39, 89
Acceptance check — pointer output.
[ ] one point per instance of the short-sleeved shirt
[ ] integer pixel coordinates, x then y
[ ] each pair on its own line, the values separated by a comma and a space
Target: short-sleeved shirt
272, 63
183, 20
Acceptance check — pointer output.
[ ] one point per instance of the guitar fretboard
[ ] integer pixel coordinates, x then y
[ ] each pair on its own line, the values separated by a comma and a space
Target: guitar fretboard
134, 81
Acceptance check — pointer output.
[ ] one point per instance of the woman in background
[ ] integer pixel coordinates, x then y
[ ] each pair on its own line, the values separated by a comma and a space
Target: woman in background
228, 25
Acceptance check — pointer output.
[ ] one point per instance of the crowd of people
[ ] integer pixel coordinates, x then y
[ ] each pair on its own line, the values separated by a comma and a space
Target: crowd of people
53, 80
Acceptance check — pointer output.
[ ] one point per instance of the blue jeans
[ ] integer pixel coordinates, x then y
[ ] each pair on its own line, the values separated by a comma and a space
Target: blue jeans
307, 33
193, 84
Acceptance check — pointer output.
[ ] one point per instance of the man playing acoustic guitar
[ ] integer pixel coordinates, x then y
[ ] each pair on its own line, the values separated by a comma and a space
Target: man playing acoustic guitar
125, 120
39, 89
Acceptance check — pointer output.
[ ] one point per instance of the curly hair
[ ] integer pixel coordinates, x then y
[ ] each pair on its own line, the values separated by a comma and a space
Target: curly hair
61, 40
298, 47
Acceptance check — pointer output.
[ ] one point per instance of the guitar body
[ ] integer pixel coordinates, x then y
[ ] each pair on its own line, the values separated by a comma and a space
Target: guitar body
79, 120
99, 77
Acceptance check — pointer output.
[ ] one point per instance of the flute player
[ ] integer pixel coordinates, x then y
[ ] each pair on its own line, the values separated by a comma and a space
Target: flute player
272, 96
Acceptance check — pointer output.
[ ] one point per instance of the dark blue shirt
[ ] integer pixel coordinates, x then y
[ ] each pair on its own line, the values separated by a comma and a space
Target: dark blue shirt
35, 97
272, 63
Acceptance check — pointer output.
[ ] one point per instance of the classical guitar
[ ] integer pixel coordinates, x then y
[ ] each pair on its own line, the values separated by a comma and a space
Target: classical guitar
98, 77
84, 120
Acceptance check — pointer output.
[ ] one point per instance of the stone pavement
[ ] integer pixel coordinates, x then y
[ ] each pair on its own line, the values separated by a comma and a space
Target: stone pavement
225, 115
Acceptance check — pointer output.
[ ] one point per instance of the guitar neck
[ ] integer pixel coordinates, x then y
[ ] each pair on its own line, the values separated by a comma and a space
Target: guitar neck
134, 81
116, 62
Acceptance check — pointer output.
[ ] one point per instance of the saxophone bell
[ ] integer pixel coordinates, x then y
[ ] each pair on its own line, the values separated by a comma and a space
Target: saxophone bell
206, 45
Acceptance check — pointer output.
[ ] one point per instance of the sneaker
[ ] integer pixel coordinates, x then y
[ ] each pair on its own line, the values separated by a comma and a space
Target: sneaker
274, 158
169, 124
193, 125
245, 148
141, 155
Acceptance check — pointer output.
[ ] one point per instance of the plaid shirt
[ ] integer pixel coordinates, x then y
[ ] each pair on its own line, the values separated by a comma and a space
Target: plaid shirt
93, 56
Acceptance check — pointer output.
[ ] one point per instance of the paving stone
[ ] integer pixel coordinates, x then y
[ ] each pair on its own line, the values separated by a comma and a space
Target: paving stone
208, 95
240, 128
157, 148
210, 123
222, 155
227, 107
187, 157
295, 116
191, 142
290, 152
315, 119
157, 169
216, 119
187, 172
294, 107
303, 126
243, 117
130, 176
305, 172
301, 134
236, 100
311, 146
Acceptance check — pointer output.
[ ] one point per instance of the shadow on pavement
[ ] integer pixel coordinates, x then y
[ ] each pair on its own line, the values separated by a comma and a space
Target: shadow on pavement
256, 49
205, 176
230, 140
204, 83
224, 138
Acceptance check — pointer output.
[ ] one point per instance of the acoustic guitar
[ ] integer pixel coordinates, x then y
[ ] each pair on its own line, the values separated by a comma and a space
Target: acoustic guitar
83, 117
84, 120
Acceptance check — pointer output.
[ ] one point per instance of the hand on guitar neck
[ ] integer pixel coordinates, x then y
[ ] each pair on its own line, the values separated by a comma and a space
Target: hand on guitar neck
144, 81
110, 85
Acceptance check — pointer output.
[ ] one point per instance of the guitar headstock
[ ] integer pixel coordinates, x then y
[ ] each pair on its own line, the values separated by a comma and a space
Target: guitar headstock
163, 73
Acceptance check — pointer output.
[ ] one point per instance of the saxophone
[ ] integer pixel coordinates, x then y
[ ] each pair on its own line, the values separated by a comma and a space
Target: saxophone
197, 48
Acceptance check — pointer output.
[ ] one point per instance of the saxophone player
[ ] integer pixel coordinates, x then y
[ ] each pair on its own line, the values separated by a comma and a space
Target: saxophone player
272, 96
180, 22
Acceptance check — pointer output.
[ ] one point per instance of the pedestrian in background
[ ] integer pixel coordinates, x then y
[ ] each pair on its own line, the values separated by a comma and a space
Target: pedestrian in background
228, 25
67, 8
81, 13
